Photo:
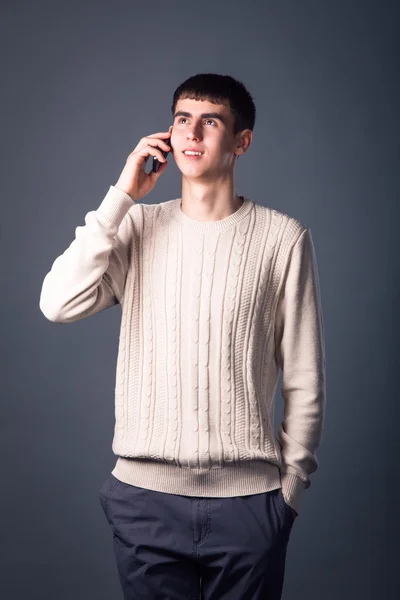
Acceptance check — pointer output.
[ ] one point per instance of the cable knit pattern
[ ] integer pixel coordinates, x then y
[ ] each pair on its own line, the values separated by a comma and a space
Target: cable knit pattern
212, 312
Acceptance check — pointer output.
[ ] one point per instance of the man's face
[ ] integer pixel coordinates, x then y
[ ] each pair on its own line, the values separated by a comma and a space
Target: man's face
213, 136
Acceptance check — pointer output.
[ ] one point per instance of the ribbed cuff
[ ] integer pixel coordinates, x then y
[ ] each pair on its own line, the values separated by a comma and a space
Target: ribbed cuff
292, 490
115, 205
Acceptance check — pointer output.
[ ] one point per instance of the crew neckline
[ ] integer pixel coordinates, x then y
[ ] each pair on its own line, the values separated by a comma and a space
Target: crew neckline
221, 224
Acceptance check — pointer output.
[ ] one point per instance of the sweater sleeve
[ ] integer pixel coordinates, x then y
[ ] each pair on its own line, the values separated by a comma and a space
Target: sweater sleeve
90, 275
300, 353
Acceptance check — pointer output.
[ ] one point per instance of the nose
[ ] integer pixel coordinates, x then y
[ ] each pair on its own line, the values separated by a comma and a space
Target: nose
194, 132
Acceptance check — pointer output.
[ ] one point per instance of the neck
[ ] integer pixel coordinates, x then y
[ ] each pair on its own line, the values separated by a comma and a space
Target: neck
209, 205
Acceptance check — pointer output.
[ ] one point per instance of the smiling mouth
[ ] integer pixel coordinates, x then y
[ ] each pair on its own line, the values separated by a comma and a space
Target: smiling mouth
192, 155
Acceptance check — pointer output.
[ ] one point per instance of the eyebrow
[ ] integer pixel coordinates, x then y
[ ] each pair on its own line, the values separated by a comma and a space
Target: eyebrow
214, 115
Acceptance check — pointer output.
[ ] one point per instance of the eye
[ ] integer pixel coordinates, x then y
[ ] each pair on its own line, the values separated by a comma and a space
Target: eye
184, 118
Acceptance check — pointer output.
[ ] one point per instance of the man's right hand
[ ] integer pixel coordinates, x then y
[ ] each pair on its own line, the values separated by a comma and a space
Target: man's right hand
134, 180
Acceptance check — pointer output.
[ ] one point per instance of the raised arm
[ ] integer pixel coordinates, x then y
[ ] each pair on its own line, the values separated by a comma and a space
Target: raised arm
90, 275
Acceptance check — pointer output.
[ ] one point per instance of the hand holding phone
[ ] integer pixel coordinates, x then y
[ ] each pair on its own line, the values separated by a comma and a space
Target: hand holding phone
133, 179
156, 163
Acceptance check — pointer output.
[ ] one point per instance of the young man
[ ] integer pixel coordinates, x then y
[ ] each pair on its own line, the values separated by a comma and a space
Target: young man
218, 293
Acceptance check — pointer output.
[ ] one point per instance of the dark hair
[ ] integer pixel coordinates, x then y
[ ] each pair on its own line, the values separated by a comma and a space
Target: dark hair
220, 89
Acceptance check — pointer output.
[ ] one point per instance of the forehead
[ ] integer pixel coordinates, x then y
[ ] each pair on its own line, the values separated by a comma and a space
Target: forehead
197, 107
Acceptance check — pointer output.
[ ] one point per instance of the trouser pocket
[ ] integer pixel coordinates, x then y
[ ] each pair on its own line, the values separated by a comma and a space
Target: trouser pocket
285, 506
106, 491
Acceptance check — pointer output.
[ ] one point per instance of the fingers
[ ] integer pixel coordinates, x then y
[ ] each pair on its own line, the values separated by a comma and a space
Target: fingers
153, 151
152, 144
160, 134
155, 141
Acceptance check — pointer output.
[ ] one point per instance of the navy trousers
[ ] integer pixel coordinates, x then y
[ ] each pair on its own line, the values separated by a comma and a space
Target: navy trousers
174, 547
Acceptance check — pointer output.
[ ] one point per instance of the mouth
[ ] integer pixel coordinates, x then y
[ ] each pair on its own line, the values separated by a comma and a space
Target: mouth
192, 156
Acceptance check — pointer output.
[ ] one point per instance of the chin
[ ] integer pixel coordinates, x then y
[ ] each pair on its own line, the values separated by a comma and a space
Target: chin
192, 172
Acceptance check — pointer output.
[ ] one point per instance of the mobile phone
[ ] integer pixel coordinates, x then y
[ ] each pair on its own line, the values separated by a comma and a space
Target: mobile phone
156, 162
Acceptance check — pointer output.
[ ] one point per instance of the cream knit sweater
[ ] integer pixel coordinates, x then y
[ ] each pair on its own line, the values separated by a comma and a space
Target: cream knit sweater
211, 311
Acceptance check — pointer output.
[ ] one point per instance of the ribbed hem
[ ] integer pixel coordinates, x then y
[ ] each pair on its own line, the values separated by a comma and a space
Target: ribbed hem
250, 478
205, 226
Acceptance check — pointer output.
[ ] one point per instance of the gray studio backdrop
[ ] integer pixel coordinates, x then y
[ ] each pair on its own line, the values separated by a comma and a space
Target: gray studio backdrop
81, 84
